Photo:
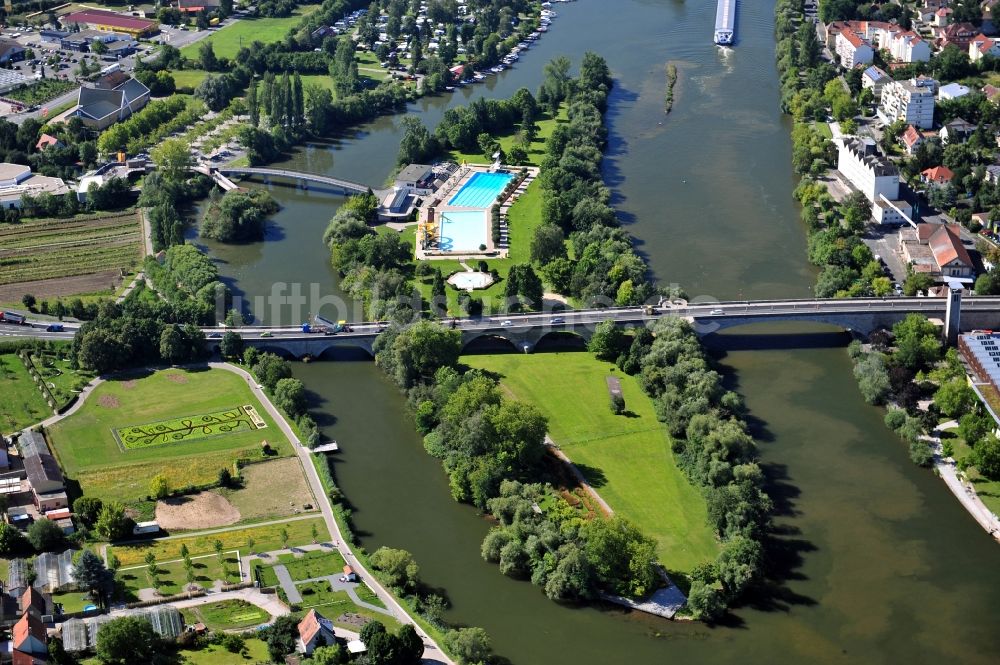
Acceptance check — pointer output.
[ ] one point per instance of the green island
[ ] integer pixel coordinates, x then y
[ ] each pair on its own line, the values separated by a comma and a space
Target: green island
626, 458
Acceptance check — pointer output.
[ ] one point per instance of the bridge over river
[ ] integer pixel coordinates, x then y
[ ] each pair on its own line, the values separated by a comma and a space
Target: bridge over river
524, 331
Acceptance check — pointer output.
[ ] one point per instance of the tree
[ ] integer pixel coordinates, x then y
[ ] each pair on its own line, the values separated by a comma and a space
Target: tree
159, 487
28, 301
284, 538
873, 378
955, 397
231, 345
270, 369
973, 427
986, 457
706, 602
215, 91
91, 576
397, 566
917, 342
290, 396
329, 655
87, 508
173, 345
607, 342
12, 542
418, 145
409, 646
416, 352
46, 536
281, 637
206, 56
470, 645
173, 158
127, 640
739, 564
113, 523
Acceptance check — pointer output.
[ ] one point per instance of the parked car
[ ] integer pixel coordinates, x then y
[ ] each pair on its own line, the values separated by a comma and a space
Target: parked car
506, 324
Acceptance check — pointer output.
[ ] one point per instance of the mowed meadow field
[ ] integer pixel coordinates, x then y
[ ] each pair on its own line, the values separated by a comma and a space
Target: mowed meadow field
626, 458
89, 453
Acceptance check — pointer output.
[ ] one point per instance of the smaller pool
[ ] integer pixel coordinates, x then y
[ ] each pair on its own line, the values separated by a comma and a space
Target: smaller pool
89, 608
462, 231
471, 280
481, 190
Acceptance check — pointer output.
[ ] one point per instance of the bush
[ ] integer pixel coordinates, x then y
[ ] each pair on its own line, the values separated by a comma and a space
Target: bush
895, 418
920, 453
617, 404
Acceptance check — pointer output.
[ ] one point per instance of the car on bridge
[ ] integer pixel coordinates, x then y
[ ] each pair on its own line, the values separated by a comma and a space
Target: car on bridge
717, 312
506, 324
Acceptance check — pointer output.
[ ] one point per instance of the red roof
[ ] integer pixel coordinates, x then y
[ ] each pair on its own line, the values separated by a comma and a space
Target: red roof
939, 174
45, 141
854, 39
102, 17
32, 597
309, 627
911, 136
946, 244
28, 626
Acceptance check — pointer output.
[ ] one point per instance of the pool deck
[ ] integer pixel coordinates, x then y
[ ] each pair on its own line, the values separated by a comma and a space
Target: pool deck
438, 202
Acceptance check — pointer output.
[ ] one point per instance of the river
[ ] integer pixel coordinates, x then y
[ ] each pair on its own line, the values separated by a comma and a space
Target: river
877, 561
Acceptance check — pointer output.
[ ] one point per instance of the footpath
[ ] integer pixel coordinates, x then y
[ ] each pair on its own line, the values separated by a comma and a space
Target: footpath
961, 488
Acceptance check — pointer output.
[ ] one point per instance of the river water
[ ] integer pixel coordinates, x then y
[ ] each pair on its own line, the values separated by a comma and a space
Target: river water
876, 562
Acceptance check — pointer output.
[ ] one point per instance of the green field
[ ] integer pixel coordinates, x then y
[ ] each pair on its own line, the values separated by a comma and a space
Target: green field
87, 449
214, 654
226, 615
626, 458
219, 423
315, 563
61, 379
171, 578
266, 538
50, 248
188, 78
22, 404
228, 40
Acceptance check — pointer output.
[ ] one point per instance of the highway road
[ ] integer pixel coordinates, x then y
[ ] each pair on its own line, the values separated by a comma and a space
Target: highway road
723, 311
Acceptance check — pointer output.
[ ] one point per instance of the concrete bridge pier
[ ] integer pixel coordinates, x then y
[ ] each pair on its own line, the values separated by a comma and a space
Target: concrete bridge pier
953, 315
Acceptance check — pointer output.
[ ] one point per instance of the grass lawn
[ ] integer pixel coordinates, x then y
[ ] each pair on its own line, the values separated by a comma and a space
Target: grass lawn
266, 538
228, 40
226, 615
332, 604
546, 125
824, 129
172, 577
316, 563
188, 78
22, 402
255, 652
626, 458
72, 601
89, 453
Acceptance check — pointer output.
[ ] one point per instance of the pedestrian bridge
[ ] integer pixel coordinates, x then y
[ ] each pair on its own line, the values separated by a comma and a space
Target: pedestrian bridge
346, 186
524, 331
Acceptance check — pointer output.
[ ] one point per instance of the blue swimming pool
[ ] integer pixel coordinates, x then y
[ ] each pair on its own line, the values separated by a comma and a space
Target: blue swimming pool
481, 190
462, 230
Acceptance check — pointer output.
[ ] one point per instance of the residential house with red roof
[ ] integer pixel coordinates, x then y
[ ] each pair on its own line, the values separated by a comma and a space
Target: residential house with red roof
981, 46
937, 176
912, 139
314, 630
29, 636
956, 34
937, 250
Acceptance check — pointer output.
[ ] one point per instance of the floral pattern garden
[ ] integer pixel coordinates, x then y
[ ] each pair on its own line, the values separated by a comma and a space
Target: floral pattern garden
239, 419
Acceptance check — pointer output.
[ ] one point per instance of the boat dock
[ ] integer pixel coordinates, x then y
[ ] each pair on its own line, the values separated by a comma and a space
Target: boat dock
331, 447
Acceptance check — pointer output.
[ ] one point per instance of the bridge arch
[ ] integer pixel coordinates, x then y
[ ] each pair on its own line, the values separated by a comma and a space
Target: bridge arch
482, 342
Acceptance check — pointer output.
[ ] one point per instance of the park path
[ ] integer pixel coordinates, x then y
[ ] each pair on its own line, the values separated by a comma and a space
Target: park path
963, 490
579, 476
432, 652
287, 584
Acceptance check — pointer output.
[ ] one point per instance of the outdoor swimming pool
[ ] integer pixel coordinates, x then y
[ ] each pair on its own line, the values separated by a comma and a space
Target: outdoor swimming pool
462, 230
481, 190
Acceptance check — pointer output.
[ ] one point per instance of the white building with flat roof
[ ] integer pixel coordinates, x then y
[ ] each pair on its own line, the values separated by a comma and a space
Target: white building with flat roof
907, 101
16, 180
